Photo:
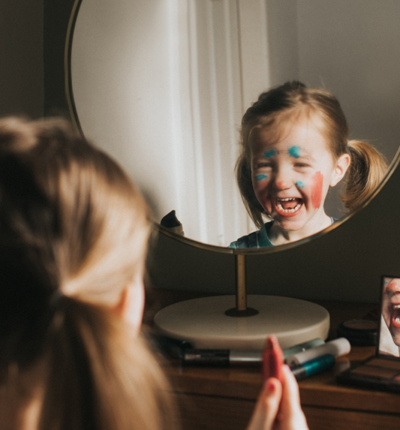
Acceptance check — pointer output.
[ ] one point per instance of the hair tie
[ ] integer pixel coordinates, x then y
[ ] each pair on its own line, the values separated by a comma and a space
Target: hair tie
56, 299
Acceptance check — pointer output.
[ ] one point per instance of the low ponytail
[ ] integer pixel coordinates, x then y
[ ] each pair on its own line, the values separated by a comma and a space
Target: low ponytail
98, 380
74, 233
366, 171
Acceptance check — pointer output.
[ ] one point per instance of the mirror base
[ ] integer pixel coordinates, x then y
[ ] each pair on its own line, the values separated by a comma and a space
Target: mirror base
236, 313
203, 322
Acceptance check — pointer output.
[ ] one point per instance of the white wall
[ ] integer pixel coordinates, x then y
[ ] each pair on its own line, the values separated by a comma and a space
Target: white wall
121, 85
351, 48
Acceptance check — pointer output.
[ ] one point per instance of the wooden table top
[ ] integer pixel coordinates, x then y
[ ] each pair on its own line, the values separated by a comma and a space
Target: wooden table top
244, 382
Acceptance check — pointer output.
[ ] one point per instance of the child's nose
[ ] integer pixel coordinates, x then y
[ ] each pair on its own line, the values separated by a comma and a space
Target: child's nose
283, 185
283, 180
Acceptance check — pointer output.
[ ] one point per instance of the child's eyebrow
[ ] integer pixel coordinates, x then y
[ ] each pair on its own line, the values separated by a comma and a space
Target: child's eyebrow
295, 151
306, 157
270, 153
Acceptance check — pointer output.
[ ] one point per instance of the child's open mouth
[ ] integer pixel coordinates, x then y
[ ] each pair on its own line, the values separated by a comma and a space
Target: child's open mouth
396, 316
289, 206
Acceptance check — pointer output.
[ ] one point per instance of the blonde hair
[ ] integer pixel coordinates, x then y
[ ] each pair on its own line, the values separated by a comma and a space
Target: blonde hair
281, 105
74, 233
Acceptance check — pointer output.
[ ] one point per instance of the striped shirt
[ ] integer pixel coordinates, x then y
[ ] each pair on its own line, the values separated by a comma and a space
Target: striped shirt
258, 239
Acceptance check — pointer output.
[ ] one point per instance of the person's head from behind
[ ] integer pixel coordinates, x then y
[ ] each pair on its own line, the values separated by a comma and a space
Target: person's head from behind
294, 147
73, 239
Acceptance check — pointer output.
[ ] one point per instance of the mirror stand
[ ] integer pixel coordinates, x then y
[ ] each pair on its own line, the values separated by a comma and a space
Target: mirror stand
241, 309
214, 323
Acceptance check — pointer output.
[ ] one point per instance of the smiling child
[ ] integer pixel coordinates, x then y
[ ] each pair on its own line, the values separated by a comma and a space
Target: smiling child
294, 148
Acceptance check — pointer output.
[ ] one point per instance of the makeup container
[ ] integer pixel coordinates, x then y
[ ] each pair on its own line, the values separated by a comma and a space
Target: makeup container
359, 332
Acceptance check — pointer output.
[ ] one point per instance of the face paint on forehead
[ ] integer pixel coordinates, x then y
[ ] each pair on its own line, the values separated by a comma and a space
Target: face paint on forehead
294, 151
270, 153
261, 177
316, 189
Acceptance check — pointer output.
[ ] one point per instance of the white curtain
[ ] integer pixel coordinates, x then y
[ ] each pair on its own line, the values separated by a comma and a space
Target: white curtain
220, 55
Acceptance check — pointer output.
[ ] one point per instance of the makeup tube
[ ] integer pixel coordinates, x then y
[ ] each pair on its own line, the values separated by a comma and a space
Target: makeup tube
314, 366
336, 348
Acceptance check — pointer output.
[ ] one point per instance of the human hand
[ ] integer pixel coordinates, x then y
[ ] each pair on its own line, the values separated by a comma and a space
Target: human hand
278, 405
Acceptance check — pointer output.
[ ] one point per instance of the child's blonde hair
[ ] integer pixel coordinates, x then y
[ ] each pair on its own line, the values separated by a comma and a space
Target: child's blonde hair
281, 105
74, 232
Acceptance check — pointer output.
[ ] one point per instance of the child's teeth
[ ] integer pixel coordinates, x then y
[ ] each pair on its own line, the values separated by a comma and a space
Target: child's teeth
297, 207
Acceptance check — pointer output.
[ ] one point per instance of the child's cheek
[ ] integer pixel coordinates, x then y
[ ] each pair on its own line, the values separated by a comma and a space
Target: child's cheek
260, 182
262, 177
317, 181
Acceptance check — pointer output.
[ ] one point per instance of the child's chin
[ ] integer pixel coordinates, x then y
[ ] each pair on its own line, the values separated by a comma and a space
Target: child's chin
290, 224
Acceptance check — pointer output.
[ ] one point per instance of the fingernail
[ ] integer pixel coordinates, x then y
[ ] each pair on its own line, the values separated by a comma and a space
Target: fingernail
270, 386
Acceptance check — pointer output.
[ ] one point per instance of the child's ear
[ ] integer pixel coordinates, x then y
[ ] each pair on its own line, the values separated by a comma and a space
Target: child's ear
342, 164
131, 304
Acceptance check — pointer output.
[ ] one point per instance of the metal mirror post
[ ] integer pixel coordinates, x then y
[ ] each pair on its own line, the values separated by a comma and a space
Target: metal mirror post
241, 309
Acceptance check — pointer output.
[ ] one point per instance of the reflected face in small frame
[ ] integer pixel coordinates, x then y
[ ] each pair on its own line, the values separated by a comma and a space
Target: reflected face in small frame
391, 307
291, 177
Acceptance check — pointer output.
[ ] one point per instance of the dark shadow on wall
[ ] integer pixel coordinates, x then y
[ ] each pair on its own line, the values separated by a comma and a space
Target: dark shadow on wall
21, 51
56, 14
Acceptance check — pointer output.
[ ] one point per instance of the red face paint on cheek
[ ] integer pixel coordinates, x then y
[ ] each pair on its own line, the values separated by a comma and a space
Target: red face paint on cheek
316, 189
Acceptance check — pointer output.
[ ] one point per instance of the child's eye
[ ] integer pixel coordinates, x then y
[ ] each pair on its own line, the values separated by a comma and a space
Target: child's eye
263, 164
302, 165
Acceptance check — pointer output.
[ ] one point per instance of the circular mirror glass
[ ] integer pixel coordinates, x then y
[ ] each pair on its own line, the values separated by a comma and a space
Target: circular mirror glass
162, 86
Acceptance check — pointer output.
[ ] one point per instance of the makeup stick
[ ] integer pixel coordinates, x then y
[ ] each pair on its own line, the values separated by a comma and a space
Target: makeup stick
226, 357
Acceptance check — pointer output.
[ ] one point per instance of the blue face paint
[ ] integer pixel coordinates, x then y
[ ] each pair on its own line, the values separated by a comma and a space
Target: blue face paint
270, 153
294, 151
261, 177
300, 184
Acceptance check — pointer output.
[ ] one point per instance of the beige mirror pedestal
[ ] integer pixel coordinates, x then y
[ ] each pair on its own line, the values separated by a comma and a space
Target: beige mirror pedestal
216, 323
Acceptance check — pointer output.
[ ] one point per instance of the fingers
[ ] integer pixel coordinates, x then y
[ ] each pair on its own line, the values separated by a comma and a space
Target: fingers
291, 415
267, 406
291, 396
272, 400
278, 405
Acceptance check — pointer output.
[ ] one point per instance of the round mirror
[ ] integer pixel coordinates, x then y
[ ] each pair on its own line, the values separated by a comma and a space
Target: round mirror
162, 86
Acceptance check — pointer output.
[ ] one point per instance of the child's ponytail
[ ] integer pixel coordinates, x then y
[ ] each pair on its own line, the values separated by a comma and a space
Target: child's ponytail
365, 173
98, 380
